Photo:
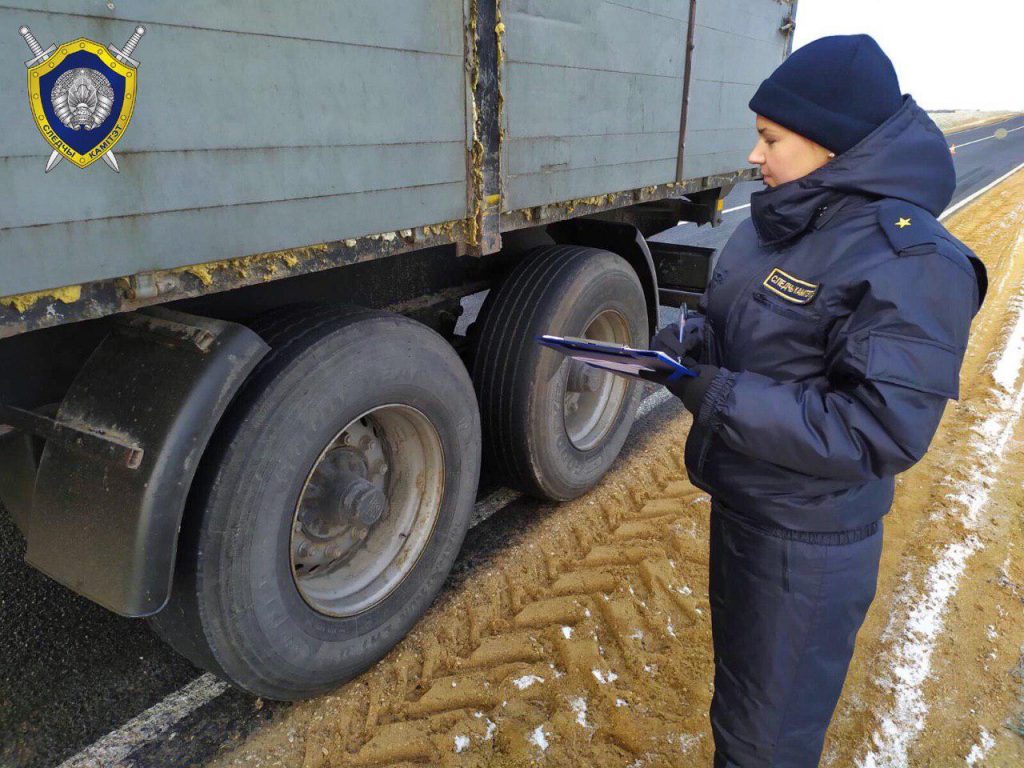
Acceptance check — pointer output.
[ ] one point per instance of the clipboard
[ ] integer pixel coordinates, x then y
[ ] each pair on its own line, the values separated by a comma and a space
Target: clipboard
617, 358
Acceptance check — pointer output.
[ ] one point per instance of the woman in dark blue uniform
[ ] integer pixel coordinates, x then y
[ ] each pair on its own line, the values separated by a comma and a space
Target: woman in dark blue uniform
828, 342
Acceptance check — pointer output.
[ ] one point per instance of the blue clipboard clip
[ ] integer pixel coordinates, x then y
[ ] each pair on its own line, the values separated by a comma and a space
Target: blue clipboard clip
617, 358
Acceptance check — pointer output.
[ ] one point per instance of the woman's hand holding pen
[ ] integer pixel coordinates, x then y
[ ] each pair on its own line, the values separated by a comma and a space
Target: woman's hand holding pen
667, 339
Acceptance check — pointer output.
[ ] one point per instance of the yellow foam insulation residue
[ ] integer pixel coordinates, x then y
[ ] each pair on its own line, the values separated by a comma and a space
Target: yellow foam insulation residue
202, 271
270, 262
608, 199
24, 301
499, 30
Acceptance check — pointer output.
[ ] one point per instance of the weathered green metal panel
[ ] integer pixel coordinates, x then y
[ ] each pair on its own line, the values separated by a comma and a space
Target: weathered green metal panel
737, 44
258, 126
262, 126
595, 89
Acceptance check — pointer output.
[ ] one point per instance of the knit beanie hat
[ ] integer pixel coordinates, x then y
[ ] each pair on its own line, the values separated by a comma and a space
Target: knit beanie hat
835, 91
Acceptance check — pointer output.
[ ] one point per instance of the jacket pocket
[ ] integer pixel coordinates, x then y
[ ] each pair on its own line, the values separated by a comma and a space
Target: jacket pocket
922, 364
807, 315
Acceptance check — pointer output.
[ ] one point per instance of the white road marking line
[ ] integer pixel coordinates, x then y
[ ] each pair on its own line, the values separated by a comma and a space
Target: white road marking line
925, 611
116, 746
953, 209
984, 138
682, 223
737, 208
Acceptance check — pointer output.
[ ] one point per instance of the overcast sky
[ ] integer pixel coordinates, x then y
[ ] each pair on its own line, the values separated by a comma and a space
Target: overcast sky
948, 55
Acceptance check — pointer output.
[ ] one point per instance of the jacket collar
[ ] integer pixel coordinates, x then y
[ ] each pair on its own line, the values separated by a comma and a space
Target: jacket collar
777, 221
782, 212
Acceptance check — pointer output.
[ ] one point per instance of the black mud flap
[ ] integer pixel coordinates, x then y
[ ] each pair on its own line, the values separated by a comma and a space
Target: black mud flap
683, 271
159, 381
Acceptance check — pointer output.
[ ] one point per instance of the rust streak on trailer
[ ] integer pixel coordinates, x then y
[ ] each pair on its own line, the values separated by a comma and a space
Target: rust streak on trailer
687, 70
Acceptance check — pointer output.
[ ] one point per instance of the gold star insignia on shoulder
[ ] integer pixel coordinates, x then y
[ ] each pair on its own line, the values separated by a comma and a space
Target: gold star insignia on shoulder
903, 223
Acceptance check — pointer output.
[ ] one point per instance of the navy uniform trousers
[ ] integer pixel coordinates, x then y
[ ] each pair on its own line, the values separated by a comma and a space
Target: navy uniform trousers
785, 610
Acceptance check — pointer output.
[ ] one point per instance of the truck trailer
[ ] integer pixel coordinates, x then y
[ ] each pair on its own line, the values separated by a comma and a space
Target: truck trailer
233, 401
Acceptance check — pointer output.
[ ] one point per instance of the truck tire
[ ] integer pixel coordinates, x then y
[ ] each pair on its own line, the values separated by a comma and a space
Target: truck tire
552, 426
330, 505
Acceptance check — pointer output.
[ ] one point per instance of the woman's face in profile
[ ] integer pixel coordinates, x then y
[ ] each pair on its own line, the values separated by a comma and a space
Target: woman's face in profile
784, 155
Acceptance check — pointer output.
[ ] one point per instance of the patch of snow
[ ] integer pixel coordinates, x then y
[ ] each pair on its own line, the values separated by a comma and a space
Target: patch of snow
1007, 368
579, 706
567, 632
978, 750
461, 743
621, 703
605, 677
688, 741
539, 738
524, 682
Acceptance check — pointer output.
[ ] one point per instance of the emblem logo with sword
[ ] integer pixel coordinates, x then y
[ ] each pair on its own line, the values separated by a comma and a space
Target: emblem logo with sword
82, 96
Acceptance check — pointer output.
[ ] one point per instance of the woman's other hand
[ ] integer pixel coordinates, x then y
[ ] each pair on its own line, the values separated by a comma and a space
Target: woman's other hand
689, 389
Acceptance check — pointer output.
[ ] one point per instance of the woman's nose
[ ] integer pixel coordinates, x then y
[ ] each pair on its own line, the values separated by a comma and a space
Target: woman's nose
755, 157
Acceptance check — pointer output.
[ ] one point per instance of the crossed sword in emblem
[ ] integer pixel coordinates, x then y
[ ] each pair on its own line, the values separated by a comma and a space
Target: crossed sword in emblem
124, 56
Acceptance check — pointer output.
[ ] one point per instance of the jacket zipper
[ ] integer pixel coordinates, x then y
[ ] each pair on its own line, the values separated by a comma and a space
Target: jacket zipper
733, 310
709, 434
705, 445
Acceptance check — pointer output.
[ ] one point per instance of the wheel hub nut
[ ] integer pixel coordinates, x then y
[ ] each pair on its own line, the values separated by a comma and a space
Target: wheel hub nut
363, 500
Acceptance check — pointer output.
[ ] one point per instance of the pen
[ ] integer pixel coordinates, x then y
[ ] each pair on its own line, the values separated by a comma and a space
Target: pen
682, 321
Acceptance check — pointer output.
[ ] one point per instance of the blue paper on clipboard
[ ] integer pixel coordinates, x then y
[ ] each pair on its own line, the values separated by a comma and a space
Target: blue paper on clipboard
617, 358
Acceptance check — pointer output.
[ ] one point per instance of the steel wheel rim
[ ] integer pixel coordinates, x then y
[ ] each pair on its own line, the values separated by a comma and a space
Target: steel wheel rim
592, 397
341, 564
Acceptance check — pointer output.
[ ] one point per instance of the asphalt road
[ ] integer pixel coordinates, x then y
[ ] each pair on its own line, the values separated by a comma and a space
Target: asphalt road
72, 673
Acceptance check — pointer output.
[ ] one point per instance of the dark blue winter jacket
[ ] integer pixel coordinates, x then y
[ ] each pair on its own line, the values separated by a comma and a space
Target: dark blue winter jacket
839, 313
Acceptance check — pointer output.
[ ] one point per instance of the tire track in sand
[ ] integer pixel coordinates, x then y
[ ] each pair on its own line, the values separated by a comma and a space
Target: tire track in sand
587, 642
